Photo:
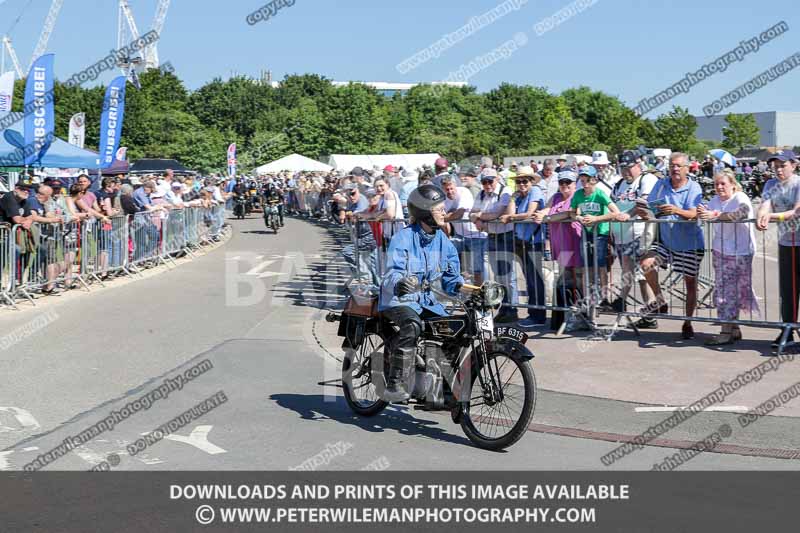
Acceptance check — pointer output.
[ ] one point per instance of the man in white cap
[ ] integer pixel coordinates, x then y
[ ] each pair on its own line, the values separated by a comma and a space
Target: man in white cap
606, 176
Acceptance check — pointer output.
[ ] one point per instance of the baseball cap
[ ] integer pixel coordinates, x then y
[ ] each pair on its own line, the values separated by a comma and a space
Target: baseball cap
441, 163
784, 155
357, 171
567, 175
388, 168
627, 159
587, 170
23, 186
562, 157
471, 171
488, 173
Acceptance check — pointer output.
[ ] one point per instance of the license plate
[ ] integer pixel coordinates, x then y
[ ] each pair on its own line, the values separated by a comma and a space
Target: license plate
486, 323
508, 332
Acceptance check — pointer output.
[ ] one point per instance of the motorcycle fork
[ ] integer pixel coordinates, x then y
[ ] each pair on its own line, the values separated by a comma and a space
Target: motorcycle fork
491, 386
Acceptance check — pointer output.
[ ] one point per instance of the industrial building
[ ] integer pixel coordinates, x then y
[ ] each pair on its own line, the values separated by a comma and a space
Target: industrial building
778, 128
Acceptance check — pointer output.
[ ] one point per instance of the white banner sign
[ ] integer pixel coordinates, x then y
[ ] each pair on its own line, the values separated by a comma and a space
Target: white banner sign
6, 92
77, 129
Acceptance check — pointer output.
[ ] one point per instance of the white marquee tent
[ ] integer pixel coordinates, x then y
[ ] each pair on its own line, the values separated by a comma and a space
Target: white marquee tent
293, 163
347, 162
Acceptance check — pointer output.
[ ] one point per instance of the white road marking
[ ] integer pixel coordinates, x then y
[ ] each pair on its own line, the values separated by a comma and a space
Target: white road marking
24, 417
235, 258
90, 456
4, 464
29, 449
268, 274
199, 439
257, 269
669, 409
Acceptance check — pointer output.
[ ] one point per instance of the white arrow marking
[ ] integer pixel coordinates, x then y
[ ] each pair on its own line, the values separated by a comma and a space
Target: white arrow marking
25, 419
91, 457
199, 439
255, 270
236, 258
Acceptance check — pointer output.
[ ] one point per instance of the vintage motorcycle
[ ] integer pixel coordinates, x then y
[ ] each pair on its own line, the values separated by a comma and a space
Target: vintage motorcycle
239, 207
479, 372
272, 217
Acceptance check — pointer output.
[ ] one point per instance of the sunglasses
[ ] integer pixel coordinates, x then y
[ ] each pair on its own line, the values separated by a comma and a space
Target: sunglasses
487, 181
353, 193
523, 182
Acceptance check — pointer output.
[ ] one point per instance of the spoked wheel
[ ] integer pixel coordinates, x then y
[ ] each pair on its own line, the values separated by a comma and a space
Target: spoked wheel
492, 424
360, 392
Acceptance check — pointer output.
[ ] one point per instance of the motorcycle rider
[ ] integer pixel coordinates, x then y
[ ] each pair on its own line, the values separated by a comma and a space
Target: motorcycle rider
418, 253
239, 191
274, 196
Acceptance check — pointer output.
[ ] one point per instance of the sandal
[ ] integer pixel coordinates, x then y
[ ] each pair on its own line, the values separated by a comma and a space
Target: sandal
721, 339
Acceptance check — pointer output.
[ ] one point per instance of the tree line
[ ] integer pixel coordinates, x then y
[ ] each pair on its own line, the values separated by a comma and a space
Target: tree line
308, 115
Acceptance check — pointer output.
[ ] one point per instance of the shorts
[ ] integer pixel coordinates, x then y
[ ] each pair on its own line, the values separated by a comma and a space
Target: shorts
686, 263
473, 253
600, 243
632, 249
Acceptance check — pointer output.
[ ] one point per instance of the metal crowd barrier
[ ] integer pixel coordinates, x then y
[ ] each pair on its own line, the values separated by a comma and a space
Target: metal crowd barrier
571, 290
7, 263
36, 260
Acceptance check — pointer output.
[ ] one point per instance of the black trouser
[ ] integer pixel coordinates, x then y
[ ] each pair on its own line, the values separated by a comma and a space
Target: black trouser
789, 281
410, 324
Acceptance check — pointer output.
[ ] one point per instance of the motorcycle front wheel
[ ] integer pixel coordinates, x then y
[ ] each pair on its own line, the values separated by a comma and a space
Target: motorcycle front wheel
495, 425
360, 392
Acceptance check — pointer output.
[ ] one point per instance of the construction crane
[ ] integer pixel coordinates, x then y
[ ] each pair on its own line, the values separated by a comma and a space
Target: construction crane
151, 54
126, 34
47, 30
8, 48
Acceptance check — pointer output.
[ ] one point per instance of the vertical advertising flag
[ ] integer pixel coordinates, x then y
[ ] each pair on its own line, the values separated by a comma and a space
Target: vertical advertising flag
6, 92
77, 129
232, 160
111, 120
40, 116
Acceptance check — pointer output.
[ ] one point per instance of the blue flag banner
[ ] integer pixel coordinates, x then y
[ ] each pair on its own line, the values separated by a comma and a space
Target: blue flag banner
40, 116
111, 120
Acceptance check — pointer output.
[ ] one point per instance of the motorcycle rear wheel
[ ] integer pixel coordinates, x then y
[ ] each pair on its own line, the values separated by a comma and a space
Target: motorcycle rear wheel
360, 392
496, 426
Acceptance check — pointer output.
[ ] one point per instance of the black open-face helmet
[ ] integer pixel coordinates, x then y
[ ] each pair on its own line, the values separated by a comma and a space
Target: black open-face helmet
422, 200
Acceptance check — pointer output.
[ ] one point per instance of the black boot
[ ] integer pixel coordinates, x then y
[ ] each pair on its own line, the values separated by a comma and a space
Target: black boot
402, 361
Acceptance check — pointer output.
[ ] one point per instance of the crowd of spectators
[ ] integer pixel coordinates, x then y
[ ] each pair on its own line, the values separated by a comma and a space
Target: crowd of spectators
585, 214
51, 213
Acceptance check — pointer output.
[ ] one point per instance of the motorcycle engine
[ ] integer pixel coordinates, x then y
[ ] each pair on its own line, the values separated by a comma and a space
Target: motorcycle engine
428, 378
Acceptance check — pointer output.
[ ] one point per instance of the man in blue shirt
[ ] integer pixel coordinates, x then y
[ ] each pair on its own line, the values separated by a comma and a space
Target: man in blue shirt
141, 196
680, 245
417, 254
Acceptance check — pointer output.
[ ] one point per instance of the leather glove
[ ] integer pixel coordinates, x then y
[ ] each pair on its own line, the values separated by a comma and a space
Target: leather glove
406, 285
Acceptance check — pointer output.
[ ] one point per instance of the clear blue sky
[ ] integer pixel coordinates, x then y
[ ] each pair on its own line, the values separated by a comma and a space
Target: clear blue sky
628, 48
